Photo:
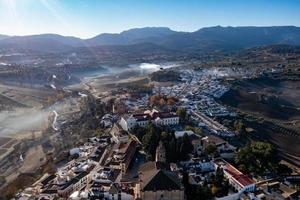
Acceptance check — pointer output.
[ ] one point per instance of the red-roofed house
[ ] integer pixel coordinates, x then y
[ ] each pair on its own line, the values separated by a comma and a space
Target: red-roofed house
240, 181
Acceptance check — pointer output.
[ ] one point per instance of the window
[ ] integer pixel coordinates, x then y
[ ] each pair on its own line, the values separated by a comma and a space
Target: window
161, 196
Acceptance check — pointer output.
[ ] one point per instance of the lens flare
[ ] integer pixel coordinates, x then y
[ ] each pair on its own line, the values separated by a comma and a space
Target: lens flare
55, 11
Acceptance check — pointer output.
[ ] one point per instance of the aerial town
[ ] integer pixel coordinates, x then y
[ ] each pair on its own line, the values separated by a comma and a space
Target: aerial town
133, 158
149, 100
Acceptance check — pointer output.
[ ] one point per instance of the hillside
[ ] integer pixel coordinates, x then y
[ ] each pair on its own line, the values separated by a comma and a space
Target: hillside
206, 39
3, 37
132, 36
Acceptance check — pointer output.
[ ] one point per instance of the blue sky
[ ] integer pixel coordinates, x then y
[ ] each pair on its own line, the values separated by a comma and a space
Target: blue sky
87, 18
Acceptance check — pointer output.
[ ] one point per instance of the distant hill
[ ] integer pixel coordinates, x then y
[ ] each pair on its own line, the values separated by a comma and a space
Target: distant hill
132, 36
3, 36
205, 39
232, 38
66, 40
43, 43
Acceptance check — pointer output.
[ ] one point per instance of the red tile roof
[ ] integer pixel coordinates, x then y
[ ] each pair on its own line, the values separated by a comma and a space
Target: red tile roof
241, 179
153, 116
232, 170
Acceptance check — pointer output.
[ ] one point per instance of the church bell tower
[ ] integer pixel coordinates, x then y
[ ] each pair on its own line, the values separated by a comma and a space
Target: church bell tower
160, 155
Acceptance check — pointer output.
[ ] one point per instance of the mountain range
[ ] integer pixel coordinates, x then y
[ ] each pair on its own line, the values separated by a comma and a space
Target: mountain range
205, 39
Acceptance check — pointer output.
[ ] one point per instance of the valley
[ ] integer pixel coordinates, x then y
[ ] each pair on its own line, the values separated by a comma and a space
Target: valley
52, 102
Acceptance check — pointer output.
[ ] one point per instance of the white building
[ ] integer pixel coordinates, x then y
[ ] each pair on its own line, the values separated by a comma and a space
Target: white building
179, 134
238, 180
118, 134
158, 118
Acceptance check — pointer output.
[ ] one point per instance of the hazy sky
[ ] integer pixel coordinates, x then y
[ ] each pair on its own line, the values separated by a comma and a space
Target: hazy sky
87, 18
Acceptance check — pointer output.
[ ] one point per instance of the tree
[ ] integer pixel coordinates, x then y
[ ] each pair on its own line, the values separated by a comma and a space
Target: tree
219, 177
155, 99
139, 132
49, 167
214, 190
162, 102
170, 101
258, 157
203, 193
186, 147
196, 130
99, 132
182, 115
165, 136
176, 149
194, 192
172, 150
10, 192
225, 188
190, 190
211, 150
150, 140
240, 127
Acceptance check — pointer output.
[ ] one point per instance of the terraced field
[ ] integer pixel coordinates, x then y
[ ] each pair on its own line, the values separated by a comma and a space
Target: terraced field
275, 106
273, 99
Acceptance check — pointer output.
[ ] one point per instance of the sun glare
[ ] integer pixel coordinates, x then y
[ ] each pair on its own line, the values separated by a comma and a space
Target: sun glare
9, 3
56, 11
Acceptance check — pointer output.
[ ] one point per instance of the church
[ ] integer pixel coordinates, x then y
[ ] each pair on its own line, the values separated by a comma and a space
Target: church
157, 182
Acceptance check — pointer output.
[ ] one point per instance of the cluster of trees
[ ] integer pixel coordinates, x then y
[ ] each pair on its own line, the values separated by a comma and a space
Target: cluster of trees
88, 125
49, 167
196, 192
162, 100
211, 150
176, 149
96, 107
260, 158
196, 130
236, 63
220, 186
22, 181
137, 89
165, 76
92, 111
59, 95
119, 107
239, 127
